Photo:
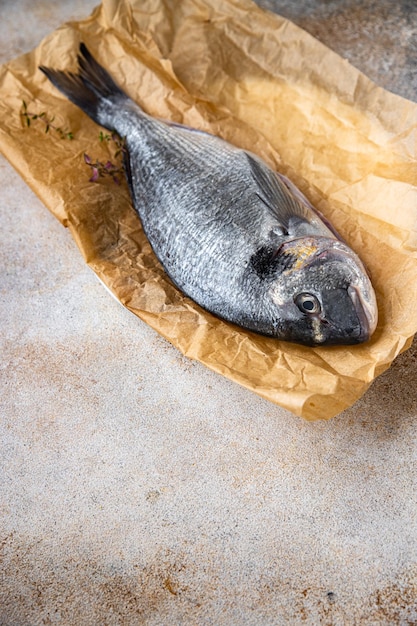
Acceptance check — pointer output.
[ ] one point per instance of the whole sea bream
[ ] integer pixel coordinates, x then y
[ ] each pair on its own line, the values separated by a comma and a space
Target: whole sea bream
235, 236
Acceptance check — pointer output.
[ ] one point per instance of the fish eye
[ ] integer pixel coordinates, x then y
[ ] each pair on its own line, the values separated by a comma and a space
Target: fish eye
307, 303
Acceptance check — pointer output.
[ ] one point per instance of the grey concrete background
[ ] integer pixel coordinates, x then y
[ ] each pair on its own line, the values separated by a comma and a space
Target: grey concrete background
138, 487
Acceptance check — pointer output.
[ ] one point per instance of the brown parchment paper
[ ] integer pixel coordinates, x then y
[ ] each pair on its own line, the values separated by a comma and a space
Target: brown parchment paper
257, 80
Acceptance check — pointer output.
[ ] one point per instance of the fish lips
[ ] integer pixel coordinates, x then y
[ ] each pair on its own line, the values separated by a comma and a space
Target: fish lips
347, 319
350, 314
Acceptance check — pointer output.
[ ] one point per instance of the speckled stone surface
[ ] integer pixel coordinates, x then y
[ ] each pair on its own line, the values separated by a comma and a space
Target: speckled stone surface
379, 37
138, 487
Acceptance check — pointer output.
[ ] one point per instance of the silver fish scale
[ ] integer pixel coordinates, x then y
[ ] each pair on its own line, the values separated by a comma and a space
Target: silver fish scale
197, 201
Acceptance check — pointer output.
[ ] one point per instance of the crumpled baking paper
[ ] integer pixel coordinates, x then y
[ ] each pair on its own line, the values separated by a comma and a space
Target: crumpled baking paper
257, 80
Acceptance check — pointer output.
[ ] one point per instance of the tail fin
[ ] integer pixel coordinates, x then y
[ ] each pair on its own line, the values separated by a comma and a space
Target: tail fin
89, 88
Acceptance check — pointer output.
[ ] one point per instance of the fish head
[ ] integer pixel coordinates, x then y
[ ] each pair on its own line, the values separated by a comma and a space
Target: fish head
324, 296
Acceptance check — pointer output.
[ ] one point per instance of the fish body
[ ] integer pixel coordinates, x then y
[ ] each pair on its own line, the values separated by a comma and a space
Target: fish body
235, 236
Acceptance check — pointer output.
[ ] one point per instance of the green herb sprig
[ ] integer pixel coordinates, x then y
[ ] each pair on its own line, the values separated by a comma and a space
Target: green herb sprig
27, 117
99, 169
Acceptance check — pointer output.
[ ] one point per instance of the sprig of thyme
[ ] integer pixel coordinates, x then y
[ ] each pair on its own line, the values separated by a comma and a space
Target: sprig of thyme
119, 142
27, 117
100, 169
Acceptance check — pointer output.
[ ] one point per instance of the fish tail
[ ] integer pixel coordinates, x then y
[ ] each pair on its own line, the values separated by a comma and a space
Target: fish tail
92, 88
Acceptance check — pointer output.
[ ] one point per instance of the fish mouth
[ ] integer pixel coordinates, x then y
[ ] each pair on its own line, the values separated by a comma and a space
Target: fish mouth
349, 316
366, 310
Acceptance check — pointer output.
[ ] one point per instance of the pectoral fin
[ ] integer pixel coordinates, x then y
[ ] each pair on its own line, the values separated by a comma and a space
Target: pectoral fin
275, 194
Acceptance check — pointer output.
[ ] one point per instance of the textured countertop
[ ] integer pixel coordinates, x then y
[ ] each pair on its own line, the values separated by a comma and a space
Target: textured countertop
137, 486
